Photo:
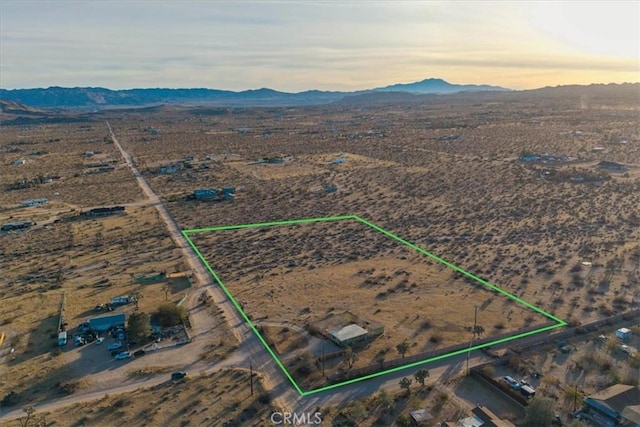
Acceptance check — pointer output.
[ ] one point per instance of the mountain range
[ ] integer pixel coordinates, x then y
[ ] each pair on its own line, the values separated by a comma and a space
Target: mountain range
97, 97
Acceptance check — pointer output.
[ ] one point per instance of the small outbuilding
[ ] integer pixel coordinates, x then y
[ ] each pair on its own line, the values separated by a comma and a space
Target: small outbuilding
623, 334
420, 417
349, 335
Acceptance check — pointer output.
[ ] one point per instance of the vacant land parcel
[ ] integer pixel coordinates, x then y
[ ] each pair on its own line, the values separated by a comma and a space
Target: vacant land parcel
357, 292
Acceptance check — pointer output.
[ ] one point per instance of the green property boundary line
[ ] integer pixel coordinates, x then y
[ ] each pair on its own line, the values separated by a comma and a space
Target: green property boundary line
559, 322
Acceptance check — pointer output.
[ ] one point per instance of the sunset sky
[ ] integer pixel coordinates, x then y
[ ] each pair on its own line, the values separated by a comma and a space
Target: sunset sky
329, 45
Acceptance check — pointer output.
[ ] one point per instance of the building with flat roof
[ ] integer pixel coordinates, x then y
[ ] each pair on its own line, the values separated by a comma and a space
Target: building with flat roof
618, 405
34, 202
349, 335
104, 323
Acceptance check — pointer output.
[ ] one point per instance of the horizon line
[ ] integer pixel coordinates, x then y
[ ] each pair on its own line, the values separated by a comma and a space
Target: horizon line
504, 88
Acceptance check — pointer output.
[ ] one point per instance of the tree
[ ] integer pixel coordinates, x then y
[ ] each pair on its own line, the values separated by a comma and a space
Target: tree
137, 296
166, 288
421, 375
478, 330
169, 314
539, 413
402, 348
30, 418
139, 325
350, 357
405, 383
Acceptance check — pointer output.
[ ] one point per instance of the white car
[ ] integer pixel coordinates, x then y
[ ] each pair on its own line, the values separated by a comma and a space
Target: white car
123, 355
100, 340
114, 345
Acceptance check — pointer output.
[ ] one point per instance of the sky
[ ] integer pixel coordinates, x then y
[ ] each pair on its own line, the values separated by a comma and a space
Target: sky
299, 45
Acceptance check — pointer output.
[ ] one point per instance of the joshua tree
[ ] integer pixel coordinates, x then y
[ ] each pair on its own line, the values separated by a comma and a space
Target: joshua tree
405, 383
350, 357
166, 288
421, 375
402, 348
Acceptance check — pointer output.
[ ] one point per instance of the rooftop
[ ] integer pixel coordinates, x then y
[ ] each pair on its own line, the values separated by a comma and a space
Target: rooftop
348, 332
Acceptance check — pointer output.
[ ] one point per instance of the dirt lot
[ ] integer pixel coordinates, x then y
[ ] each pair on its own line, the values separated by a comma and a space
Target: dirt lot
202, 400
294, 274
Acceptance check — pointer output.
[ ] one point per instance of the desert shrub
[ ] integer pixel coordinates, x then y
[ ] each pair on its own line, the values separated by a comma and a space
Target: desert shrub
68, 387
169, 315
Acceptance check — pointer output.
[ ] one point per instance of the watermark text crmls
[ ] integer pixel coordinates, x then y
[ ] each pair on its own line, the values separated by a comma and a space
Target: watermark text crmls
296, 418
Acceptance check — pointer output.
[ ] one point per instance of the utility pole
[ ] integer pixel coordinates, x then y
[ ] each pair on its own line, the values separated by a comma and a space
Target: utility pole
251, 375
473, 335
575, 398
323, 358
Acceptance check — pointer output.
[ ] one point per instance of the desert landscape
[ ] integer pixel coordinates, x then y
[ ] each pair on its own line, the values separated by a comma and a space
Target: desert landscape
535, 193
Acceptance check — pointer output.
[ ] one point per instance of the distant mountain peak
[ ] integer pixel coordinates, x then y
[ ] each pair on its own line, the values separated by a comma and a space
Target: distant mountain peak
436, 85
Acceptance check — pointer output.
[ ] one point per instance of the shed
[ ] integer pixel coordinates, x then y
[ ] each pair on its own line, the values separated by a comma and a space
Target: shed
348, 335
105, 323
420, 416
623, 334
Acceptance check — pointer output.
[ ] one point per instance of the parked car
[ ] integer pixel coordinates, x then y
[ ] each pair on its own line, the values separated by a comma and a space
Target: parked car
177, 376
512, 383
100, 340
123, 355
114, 345
139, 353
98, 307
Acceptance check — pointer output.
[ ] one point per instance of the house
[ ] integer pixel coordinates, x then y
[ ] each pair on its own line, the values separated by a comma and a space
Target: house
169, 169
349, 335
104, 323
612, 166
104, 211
205, 194
16, 225
618, 405
34, 202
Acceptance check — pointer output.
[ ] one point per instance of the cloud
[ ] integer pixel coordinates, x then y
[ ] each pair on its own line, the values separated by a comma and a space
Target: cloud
273, 43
